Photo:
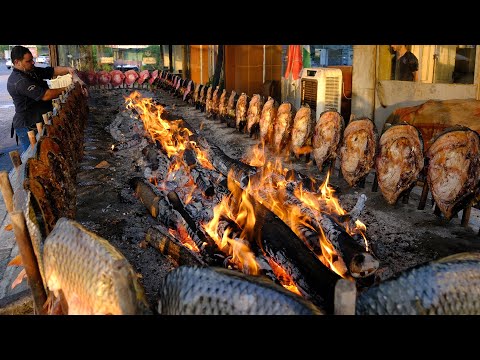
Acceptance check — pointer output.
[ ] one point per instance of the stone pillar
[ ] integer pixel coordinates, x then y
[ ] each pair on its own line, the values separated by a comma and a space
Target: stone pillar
363, 80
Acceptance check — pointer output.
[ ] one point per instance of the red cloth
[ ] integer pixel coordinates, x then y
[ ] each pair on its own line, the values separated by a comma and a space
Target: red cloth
295, 63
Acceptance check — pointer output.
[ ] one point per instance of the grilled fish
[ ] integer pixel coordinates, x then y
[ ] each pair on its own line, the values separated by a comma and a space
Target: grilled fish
217, 291
241, 112
399, 161
454, 168
359, 147
267, 119
222, 105
253, 113
449, 286
209, 102
327, 137
231, 105
90, 273
302, 130
283, 126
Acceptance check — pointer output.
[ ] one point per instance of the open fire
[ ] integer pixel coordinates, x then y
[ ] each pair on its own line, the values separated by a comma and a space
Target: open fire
313, 213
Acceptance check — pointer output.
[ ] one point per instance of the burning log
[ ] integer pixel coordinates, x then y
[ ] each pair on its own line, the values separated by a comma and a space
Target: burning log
225, 164
203, 182
207, 244
172, 214
314, 280
159, 238
350, 258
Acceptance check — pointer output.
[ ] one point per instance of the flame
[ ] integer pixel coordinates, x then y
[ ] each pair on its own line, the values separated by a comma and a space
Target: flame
361, 227
233, 223
185, 239
283, 277
270, 188
237, 208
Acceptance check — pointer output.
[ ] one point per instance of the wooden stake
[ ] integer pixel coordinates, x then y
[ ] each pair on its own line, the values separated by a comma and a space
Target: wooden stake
29, 260
437, 211
406, 196
375, 183
361, 183
423, 197
345, 297
32, 138
39, 127
466, 215
16, 159
7, 191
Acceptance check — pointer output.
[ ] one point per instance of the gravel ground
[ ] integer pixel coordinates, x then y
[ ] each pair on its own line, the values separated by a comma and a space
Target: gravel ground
401, 236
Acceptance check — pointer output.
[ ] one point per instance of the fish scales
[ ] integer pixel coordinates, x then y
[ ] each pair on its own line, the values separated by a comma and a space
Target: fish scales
217, 291
449, 286
94, 277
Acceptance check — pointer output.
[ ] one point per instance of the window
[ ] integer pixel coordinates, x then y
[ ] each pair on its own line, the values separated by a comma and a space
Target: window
439, 64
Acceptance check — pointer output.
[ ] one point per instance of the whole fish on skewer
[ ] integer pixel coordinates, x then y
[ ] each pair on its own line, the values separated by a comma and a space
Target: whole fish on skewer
267, 120
302, 131
241, 112
283, 126
453, 173
399, 161
253, 114
358, 151
327, 137
222, 106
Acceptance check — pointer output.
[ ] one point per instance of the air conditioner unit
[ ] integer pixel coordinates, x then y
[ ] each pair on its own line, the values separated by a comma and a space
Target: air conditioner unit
321, 89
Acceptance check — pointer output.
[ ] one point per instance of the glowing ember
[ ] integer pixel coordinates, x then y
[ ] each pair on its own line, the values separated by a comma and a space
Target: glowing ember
283, 277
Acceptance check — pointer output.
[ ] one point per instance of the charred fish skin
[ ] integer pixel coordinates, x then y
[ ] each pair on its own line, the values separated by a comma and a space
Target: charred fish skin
358, 150
302, 129
267, 119
283, 126
241, 112
453, 173
93, 275
217, 291
449, 286
253, 113
327, 136
399, 160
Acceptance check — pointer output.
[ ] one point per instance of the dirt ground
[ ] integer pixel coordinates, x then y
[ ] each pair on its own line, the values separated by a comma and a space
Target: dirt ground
401, 236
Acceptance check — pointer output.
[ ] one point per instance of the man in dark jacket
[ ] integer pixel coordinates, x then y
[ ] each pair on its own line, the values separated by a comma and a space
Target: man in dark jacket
404, 64
30, 93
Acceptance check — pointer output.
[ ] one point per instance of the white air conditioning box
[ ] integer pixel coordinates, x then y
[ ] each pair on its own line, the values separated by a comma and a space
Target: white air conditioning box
321, 89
